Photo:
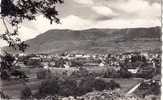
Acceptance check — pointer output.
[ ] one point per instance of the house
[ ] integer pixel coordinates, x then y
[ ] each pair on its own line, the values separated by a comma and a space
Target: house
101, 64
66, 65
79, 55
133, 70
45, 65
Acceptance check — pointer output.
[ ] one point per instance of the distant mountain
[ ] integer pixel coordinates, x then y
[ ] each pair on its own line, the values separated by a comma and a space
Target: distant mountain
96, 40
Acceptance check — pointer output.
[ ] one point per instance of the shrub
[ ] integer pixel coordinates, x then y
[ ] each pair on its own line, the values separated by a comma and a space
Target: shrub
26, 93
149, 88
111, 73
124, 73
112, 85
3, 96
43, 74
4, 75
67, 87
102, 85
70, 86
48, 87
85, 85
99, 85
76, 64
81, 73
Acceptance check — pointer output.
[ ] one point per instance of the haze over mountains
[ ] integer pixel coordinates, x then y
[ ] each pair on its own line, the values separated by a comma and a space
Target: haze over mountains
96, 40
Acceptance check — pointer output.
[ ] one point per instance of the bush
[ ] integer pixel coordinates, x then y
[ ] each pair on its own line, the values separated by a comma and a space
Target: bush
70, 86
67, 87
102, 85
48, 87
3, 96
30, 62
56, 86
26, 93
124, 73
5, 75
81, 73
85, 85
111, 73
99, 85
43, 74
149, 88
112, 85
76, 64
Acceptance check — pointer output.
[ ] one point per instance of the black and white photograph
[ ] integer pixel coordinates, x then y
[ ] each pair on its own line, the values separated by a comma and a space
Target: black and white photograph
80, 49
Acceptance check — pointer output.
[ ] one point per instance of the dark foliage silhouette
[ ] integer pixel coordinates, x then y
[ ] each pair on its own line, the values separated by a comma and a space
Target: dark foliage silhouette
16, 11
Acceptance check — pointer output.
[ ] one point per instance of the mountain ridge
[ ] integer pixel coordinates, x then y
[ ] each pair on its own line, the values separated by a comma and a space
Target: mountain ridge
96, 40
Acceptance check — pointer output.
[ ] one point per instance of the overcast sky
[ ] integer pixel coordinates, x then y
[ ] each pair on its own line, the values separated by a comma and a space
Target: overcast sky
85, 14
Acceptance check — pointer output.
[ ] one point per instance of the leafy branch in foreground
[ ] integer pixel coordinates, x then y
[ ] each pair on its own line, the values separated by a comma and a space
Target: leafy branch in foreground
15, 12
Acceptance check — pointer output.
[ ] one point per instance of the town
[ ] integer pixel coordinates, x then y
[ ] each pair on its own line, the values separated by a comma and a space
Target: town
140, 71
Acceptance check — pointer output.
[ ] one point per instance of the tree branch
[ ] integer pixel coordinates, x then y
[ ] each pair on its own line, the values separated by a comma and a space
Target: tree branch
3, 20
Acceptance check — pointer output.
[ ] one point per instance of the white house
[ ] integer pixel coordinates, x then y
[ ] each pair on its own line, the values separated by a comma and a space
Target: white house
134, 71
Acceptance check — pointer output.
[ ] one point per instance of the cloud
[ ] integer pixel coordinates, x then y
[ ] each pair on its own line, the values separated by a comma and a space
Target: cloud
75, 22
42, 24
137, 9
154, 1
27, 33
72, 22
126, 23
133, 5
103, 10
85, 2
152, 12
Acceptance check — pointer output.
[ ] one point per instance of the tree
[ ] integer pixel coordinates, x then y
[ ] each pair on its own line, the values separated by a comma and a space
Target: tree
8, 68
4, 96
6, 63
16, 11
26, 93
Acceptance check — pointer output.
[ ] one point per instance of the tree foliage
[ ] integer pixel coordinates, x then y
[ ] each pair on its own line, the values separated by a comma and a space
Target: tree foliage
6, 65
15, 12
8, 68
69, 86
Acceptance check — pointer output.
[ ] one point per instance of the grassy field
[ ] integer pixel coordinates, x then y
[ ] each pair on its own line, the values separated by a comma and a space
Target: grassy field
126, 84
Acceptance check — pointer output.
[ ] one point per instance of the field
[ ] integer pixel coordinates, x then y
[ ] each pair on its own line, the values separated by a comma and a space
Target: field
14, 87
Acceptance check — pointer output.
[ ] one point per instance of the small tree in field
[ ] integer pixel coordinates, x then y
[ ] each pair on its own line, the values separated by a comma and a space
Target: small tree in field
26, 93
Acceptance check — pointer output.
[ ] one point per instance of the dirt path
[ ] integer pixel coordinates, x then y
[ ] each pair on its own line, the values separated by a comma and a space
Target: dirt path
133, 89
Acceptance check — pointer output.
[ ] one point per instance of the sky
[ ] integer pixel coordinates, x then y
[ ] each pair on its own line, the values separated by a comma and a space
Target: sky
86, 14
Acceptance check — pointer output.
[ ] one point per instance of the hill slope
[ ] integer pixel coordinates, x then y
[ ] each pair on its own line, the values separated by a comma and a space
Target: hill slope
96, 40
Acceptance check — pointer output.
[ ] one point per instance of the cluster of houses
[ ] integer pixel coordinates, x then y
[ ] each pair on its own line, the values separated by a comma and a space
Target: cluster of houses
132, 61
